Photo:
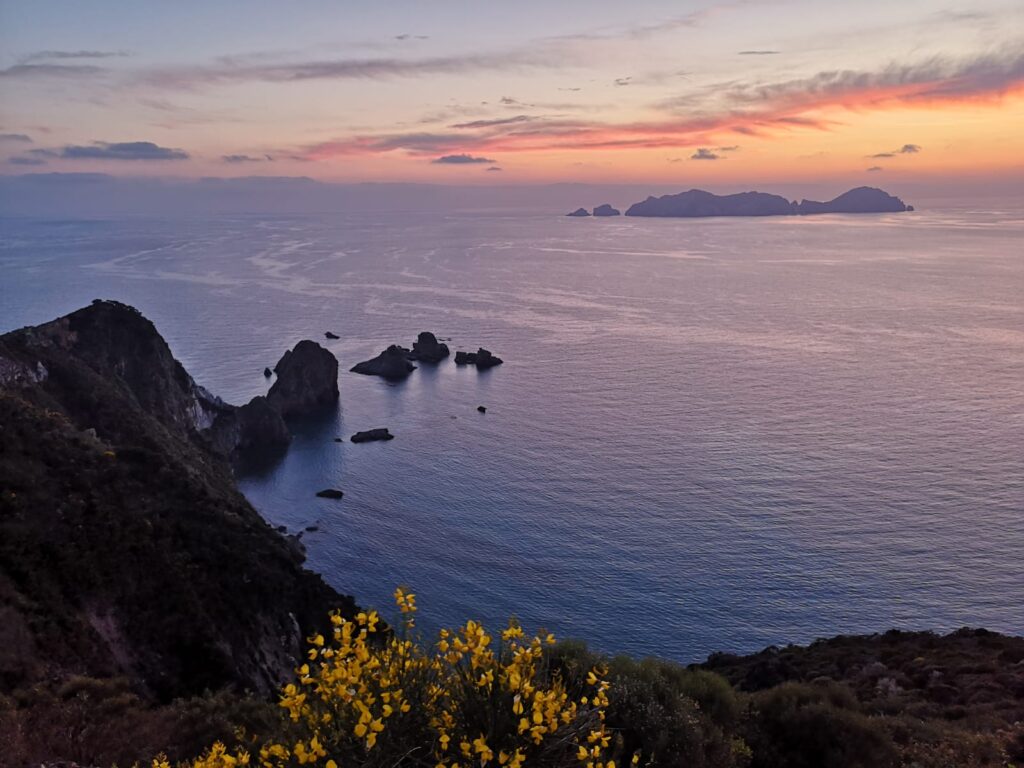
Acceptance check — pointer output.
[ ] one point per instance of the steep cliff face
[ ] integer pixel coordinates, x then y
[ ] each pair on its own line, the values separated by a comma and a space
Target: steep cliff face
125, 548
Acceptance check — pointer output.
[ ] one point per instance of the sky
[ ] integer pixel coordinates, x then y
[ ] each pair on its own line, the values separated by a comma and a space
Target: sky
715, 92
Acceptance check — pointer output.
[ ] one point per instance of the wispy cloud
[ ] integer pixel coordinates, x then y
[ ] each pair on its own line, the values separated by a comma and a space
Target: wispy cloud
26, 71
15, 138
238, 159
128, 150
461, 159
705, 154
906, 149
23, 160
64, 55
495, 122
758, 53
233, 70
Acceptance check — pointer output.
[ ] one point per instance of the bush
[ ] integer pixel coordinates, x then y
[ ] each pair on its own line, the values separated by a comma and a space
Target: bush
671, 715
371, 697
797, 725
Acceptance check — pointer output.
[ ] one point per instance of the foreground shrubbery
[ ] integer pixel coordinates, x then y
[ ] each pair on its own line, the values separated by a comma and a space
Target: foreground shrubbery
369, 696
372, 697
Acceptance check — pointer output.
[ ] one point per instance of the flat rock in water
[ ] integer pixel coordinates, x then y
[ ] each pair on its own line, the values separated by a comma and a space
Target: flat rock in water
330, 493
381, 433
482, 408
329, 335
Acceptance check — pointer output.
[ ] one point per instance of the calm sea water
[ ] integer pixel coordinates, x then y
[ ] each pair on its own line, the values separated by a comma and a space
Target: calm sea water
713, 434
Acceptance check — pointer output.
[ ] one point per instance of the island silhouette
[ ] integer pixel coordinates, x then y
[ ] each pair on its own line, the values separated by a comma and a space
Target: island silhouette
697, 203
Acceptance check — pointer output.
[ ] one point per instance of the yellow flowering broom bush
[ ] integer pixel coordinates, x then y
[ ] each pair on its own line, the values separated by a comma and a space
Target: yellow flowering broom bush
369, 696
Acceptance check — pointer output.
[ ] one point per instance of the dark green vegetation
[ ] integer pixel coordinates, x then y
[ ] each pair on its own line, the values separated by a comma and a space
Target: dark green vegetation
895, 699
125, 549
146, 607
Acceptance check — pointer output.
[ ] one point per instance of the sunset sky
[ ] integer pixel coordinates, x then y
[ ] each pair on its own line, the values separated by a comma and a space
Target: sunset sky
475, 92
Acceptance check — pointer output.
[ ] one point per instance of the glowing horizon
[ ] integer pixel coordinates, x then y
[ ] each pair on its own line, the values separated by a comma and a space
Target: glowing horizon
731, 92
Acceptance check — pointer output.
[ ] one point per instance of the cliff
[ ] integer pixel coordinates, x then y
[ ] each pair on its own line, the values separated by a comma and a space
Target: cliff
125, 548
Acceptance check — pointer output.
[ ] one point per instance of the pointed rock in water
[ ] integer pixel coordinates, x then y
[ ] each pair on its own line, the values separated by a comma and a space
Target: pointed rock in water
381, 433
307, 379
329, 335
607, 210
392, 364
330, 493
482, 409
428, 349
579, 213
267, 372
482, 359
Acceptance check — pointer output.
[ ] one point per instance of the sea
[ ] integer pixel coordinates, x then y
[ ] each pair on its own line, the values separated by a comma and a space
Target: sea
707, 435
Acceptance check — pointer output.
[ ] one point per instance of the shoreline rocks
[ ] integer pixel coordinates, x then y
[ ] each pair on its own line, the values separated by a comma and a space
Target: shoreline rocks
579, 213
606, 210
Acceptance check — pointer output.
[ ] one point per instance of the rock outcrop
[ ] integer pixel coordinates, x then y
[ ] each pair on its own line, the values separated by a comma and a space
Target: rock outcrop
607, 210
330, 493
307, 380
125, 548
391, 364
369, 435
428, 349
579, 213
482, 359
331, 335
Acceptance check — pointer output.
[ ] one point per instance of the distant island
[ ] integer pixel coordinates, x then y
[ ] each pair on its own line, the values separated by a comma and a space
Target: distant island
697, 204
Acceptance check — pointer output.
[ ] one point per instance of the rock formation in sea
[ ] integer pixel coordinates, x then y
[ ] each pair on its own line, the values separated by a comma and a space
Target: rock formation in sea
698, 203
307, 380
428, 349
579, 213
607, 210
125, 548
391, 364
331, 335
369, 435
482, 359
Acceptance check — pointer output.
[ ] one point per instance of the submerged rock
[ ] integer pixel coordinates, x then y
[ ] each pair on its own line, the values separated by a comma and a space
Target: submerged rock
428, 349
607, 210
392, 364
482, 359
579, 212
307, 380
381, 433
330, 493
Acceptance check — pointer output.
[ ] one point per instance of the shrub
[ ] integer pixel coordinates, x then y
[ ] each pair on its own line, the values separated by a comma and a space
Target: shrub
796, 725
371, 697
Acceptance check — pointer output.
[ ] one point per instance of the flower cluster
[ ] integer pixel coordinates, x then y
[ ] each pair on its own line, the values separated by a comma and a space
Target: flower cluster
369, 695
